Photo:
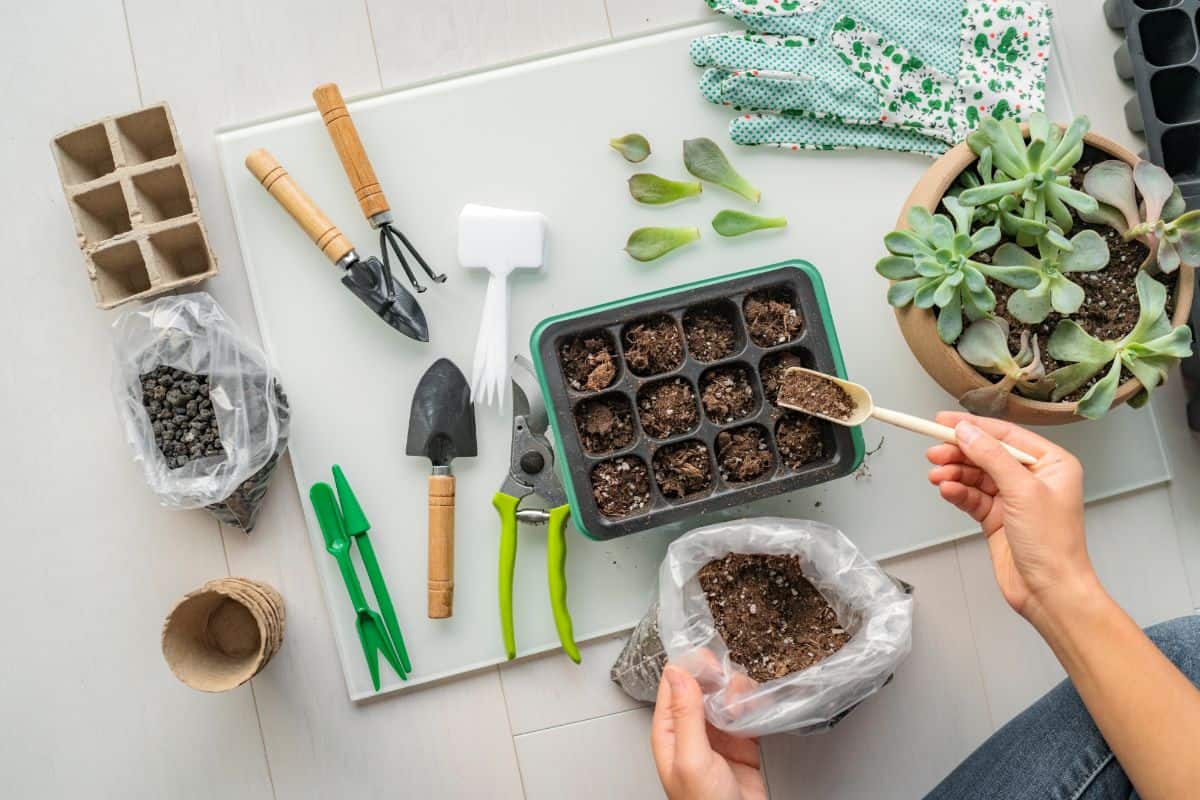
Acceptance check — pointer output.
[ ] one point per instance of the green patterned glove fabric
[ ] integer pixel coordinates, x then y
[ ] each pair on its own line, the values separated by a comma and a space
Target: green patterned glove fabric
912, 75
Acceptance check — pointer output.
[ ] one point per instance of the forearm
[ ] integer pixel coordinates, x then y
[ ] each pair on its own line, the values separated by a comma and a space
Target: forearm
1146, 709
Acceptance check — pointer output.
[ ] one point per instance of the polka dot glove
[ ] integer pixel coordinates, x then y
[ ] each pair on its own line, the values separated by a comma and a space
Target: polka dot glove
830, 74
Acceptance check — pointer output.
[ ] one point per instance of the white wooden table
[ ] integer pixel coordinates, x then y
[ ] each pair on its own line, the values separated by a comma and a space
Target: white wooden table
89, 708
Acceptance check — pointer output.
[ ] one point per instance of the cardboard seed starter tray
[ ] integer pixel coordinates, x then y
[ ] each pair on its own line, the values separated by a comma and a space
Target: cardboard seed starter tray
134, 208
814, 345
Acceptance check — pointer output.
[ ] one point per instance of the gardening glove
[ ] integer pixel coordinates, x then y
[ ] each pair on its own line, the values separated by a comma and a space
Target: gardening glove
895, 74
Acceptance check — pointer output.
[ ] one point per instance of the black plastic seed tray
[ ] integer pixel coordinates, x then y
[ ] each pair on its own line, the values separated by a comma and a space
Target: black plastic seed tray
815, 344
1161, 55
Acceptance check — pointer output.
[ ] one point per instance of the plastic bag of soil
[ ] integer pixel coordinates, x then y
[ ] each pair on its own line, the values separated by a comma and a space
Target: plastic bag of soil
203, 410
870, 606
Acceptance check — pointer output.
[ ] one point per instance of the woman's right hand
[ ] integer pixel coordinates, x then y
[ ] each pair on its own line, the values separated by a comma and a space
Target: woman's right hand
1032, 516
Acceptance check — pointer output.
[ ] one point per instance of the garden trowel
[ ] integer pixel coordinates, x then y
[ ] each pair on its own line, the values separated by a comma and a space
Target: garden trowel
441, 428
370, 280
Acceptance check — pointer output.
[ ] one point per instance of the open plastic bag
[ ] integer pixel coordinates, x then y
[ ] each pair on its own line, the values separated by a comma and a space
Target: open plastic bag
679, 628
190, 332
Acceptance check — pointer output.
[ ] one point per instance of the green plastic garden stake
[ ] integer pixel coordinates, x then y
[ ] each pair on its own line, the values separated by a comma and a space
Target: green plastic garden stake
357, 526
372, 633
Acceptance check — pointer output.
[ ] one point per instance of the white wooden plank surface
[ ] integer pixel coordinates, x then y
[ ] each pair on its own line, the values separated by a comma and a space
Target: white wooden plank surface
597, 759
635, 17
1133, 546
417, 41
906, 738
93, 566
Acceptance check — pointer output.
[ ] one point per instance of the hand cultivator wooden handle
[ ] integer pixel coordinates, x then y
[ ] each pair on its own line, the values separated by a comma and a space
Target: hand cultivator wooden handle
350, 149
441, 546
276, 180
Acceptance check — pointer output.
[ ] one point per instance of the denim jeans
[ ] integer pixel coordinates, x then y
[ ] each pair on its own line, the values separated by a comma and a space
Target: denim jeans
1053, 750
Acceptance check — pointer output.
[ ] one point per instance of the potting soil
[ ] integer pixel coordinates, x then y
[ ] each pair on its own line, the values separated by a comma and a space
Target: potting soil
683, 469
815, 394
621, 486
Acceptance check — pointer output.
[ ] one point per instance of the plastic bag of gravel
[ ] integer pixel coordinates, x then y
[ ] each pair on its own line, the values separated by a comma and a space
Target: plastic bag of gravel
203, 410
874, 609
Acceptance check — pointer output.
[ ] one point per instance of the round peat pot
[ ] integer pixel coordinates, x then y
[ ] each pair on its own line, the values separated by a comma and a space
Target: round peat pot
942, 361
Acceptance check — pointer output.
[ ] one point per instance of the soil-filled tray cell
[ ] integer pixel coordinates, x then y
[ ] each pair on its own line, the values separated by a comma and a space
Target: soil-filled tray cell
703, 435
181, 253
652, 346
146, 135
744, 454
120, 273
1181, 153
800, 439
772, 317
712, 331
605, 423
589, 361
84, 155
1167, 38
727, 394
683, 470
621, 486
102, 213
668, 408
162, 194
772, 367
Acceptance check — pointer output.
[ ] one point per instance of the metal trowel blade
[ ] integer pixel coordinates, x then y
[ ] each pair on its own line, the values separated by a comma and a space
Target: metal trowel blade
441, 426
398, 309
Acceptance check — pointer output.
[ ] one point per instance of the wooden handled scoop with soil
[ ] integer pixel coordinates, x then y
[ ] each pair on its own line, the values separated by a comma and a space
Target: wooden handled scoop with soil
845, 403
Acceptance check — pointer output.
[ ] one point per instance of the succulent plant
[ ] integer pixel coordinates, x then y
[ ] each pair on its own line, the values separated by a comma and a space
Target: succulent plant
633, 147
647, 244
1148, 352
736, 223
932, 266
654, 190
1085, 252
1160, 221
1004, 211
704, 159
984, 345
1037, 173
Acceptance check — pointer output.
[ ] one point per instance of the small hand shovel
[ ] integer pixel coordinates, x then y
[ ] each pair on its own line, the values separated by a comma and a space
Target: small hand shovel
441, 427
863, 408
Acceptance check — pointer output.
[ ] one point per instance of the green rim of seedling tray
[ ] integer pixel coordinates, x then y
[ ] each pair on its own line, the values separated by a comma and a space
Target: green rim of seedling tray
818, 286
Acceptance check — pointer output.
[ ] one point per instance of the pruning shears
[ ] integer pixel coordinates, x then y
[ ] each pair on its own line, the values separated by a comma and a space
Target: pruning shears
531, 471
342, 522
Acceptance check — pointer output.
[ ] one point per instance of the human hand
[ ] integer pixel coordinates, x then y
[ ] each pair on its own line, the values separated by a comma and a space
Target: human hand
1032, 516
696, 761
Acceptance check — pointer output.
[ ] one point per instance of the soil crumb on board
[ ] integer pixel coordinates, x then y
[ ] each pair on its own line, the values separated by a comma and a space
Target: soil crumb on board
710, 332
621, 486
798, 437
589, 361
772, 619
743, 454
604, 423
653, 346
683, 469
772, 317
815, 394
771, 370
727, 394
181, 415
668, 408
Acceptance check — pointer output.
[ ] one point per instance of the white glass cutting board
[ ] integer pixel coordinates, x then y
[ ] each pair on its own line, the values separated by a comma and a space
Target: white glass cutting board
534, 136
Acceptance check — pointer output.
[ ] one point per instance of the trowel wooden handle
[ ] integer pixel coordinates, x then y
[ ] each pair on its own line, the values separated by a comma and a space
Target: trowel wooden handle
276, 180
350, 149
441, 546
937, 431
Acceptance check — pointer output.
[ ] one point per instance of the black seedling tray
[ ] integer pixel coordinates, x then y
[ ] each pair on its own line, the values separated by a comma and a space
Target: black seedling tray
1161, 55
816, 345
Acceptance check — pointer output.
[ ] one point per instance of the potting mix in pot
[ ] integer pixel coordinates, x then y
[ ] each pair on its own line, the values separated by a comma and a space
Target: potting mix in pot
1052, 268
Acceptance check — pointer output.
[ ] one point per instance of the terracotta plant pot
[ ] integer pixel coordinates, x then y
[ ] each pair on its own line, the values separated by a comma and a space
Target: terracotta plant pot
941, 361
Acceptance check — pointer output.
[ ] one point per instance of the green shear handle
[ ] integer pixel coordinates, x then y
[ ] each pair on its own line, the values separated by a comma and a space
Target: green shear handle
556, 557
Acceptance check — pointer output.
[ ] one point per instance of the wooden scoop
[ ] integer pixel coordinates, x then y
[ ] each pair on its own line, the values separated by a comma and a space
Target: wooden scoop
865, 408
